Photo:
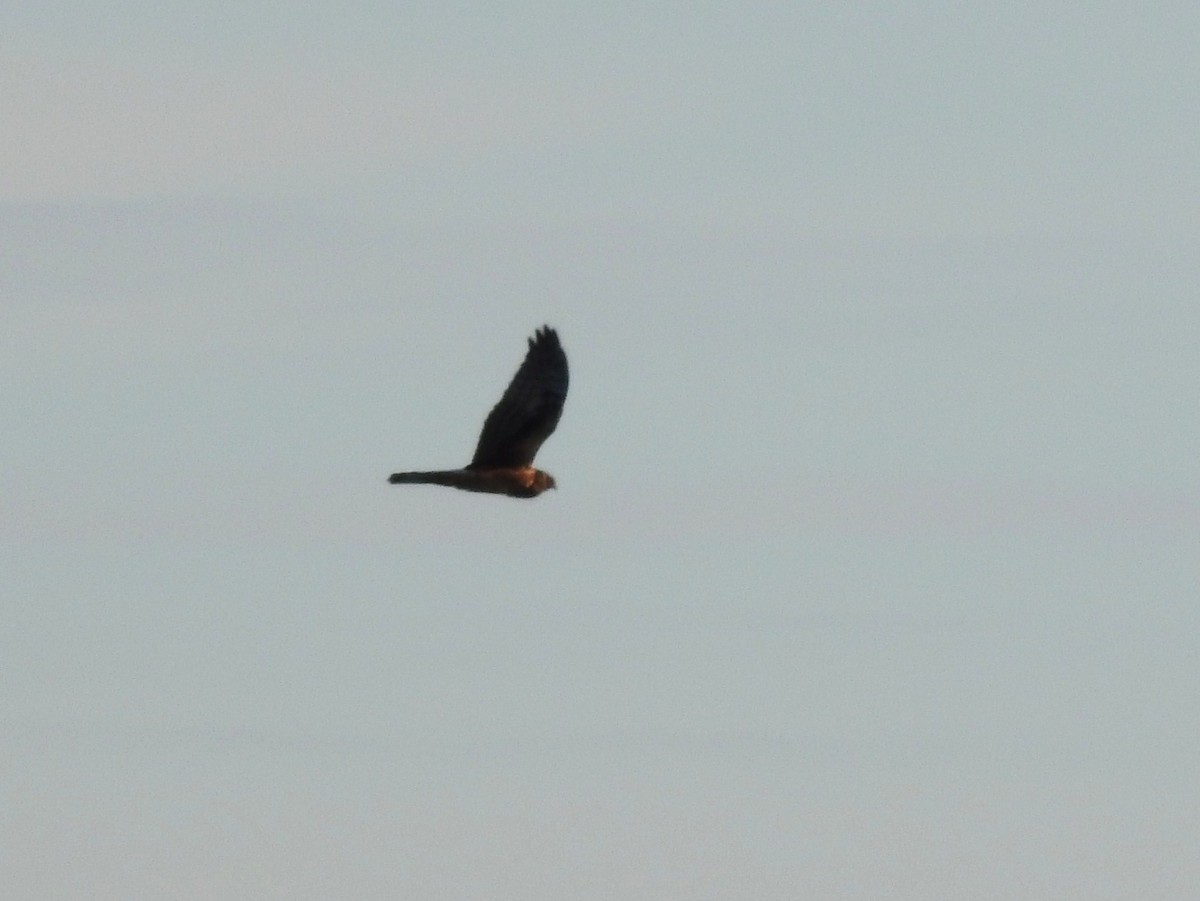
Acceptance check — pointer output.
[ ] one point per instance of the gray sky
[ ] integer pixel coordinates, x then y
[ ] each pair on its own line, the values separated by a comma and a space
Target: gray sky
872, 572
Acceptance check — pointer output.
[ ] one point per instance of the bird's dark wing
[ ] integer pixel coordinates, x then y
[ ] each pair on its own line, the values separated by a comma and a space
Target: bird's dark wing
529, 409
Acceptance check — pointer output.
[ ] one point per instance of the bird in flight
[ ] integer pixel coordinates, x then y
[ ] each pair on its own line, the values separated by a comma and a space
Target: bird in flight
525, 417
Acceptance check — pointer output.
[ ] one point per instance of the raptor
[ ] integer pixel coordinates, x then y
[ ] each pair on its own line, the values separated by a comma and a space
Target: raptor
513, 432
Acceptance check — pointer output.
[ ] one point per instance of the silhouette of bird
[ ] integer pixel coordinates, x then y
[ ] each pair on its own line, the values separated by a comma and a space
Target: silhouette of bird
512, 433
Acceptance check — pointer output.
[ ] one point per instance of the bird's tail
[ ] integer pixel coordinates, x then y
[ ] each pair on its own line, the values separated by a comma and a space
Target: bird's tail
438, 477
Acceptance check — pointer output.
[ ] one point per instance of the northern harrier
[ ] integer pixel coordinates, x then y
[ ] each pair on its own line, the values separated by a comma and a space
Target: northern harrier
514, 430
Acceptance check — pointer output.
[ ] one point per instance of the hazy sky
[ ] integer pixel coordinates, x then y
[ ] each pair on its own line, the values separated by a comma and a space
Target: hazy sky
873, 569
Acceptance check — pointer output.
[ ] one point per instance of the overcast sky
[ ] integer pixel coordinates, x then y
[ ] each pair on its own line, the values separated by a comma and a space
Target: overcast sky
872, 571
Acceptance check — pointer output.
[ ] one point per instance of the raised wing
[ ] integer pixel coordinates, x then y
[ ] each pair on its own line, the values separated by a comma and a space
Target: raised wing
529, 409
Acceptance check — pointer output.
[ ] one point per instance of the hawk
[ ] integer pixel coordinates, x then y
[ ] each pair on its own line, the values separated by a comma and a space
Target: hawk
512, 433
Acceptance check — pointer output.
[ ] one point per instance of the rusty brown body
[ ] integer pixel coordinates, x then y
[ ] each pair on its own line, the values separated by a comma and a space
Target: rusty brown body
515, 482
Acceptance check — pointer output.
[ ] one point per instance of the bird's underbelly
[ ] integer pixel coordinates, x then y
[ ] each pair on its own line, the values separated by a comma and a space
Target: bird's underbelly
514, 481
